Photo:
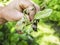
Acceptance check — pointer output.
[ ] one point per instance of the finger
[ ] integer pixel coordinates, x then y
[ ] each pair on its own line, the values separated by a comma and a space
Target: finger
36, 6
2, 21
0, 10
31, 12
11, 14
14, 4
1, 7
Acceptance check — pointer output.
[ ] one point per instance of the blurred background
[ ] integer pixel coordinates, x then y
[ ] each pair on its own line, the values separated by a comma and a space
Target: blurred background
48, 29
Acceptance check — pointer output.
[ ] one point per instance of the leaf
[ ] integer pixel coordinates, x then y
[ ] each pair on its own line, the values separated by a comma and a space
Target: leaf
43, 14
22, 23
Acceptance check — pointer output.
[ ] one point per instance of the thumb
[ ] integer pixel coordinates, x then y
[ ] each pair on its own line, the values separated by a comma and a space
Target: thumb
11, 14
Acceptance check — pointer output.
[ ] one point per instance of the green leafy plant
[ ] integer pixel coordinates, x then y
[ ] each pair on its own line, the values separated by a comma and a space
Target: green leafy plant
22, 32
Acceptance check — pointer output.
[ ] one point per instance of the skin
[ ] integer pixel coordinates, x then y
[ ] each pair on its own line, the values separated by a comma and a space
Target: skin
14, 10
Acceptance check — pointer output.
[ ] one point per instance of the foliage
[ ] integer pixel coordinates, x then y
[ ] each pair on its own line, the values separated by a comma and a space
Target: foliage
47, 28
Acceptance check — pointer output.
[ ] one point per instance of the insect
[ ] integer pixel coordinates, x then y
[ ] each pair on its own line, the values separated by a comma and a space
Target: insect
34, 25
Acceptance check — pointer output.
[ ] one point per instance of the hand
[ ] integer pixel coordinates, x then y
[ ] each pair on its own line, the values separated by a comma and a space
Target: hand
14, 10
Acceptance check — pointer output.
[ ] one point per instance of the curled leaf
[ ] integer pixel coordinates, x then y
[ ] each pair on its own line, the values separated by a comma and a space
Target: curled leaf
43, 14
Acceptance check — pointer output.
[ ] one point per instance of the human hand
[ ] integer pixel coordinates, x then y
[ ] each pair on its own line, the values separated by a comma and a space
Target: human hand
14, 10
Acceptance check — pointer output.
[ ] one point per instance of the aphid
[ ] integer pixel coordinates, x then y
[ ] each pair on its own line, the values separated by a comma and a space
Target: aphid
34, 25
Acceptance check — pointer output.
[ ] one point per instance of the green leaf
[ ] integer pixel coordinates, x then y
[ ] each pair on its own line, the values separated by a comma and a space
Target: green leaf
43, 14
6, 42
14, 37
1, 35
